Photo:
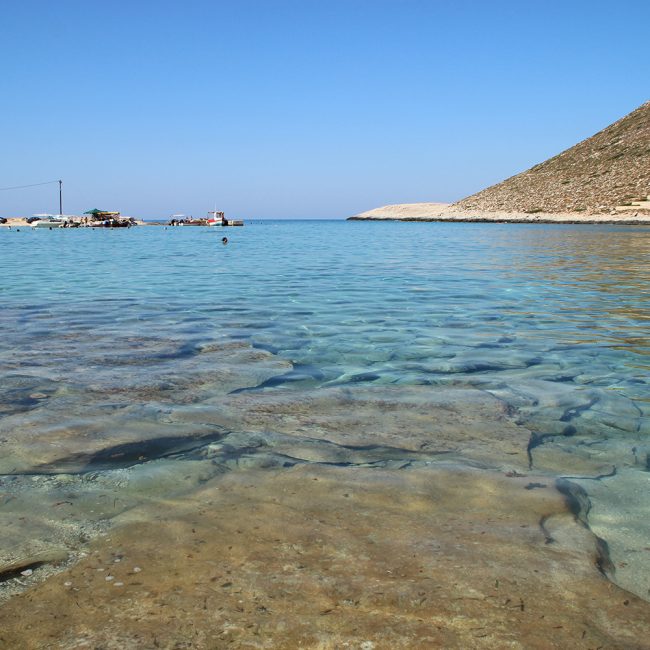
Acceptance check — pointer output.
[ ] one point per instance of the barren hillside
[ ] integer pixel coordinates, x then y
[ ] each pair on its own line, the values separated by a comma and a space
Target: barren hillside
610, 169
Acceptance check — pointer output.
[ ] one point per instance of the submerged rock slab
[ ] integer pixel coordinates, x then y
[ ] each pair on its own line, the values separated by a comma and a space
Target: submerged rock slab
620, 513
181, 373
325, 557
468, 423
21, 393
55, 442
579, 455
121, 411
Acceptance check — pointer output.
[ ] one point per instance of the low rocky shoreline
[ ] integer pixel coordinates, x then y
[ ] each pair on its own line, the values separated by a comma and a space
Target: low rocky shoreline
72, 222
452, 213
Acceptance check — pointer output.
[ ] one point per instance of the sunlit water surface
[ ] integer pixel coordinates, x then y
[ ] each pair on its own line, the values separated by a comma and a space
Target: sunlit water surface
126, 354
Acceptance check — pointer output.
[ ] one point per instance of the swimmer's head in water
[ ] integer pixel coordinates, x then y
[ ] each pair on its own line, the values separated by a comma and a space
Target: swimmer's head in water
224, 240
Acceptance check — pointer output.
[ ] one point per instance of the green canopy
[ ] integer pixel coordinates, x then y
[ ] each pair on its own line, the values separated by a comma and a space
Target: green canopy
95, 211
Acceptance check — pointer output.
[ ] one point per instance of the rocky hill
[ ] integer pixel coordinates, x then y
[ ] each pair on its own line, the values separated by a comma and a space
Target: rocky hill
607, 172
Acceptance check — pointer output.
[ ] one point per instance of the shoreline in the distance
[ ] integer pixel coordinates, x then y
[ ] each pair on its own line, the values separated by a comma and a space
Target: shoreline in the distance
449, 212
21, 222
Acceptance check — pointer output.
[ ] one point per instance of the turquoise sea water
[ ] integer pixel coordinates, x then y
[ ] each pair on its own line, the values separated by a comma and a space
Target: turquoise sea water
126, 353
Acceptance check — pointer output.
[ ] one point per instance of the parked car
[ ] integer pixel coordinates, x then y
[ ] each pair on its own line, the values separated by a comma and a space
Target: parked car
3, 220
32, 219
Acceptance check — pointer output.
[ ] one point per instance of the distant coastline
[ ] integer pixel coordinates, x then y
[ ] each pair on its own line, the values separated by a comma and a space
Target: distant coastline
452, 213
21, 222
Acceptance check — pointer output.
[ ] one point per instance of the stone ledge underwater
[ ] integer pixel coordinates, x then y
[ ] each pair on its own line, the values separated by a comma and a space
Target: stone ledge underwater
454, 441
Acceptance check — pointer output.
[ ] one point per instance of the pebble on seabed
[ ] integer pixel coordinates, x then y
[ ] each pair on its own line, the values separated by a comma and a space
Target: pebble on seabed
26, 572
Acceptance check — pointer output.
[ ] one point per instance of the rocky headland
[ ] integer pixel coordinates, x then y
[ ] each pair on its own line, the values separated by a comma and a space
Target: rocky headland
603, 179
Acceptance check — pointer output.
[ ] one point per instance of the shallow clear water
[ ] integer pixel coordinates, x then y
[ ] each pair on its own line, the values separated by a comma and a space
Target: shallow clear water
126, 353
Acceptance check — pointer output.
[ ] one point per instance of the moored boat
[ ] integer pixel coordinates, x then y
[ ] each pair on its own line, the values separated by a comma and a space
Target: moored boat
219, 219
46, 221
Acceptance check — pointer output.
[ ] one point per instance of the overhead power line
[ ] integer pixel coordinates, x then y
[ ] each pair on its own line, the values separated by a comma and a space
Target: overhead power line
20, 187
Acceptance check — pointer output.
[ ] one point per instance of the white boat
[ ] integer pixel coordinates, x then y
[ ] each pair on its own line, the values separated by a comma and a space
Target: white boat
54, 221
47, 222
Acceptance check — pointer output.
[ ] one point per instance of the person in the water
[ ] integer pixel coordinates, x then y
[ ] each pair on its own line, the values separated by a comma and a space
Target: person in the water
224, 240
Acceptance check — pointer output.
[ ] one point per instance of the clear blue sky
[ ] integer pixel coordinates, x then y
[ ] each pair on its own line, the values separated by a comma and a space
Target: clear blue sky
301, 108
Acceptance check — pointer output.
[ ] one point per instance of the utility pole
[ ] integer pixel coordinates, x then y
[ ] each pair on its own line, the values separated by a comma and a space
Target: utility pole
60, 199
